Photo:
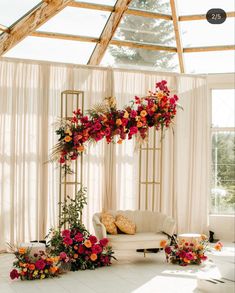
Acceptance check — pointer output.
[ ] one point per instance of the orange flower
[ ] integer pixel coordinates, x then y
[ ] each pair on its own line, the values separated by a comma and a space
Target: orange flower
154, 108
75, 247
53, 269
159, 95
22, 250
163, 243
186, 260
119, 141
75, 255
118, 122
126, 114
80, 148
143, 113
67, 138
32, 267
87, 243
21, 264
93, 257
139, 124
218, 246
203, 237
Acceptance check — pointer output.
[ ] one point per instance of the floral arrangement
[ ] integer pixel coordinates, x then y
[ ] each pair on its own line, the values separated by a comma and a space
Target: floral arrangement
185, 253
39, 266
157, 109
79, 250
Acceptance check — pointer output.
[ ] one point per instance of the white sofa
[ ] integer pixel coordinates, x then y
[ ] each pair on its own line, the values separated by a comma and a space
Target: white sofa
151, 228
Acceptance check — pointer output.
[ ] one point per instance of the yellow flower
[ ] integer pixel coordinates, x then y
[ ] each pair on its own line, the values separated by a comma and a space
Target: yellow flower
22, 250
68, 138
118, 122
46, 271
143, 113
203, 237
43, 276
126, 114
35, 273
68, 131
163, 243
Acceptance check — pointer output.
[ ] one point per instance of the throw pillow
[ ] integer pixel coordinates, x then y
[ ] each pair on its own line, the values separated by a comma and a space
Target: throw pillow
109, 222
125, 225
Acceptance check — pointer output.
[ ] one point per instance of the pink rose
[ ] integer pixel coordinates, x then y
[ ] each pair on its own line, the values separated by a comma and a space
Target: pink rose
96, 249
78, 237
40, 264
97, 126
104, 241
189, 256
63, 255
68, 241
133, 130
66, 233
93, 239
133, 114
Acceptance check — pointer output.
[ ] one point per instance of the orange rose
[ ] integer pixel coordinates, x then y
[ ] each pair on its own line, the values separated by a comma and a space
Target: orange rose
53, 269
75, 247
159, 95
80, 148
218, 246
93, 257
143, 113
119, 141
139, 124
87, 243
75, 255
163, 243
118, 122
22, 250
32, 267
67, 138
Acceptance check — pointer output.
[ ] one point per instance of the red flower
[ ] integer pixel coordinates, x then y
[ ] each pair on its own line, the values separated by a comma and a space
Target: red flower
97, 126
133, 130
61, 160
104, 241
93, 239
107, 132
81, 249
189, 256
68, 241
14, 274
40, 264
78, 237
133, 114
96, 249
66, 233
63, 255
168, 250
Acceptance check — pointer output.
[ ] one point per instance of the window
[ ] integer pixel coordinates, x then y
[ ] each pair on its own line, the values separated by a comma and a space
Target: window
223, 152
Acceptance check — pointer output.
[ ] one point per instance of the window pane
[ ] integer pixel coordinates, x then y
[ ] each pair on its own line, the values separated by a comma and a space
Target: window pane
223, 173
202, 33
104, 2
141, 58
188, 7
160, 6
77, 21
12, 10
223, 108
52, 50
210, 62
146, 30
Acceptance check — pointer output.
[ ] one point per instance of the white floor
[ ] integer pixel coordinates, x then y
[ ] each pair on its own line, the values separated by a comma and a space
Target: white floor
131, 273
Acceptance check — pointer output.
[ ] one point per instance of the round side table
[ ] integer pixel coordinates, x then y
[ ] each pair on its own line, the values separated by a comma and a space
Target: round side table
189, 237
34, 247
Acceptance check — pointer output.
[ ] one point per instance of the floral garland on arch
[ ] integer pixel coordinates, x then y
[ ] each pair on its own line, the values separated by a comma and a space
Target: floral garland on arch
104, 120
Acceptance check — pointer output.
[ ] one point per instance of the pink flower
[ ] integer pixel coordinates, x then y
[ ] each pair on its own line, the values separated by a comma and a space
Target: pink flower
182, 254
96, 249
14, 274
66, 233
133, 114
78, 237
63, 255
98, 136
68, 241
93, 239
133, 130
97, 126
189, 256
104, 241
168, 249
107, 132
40, 264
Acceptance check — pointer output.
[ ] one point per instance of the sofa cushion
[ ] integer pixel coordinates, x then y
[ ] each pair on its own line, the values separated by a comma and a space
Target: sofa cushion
125, 225
109, 222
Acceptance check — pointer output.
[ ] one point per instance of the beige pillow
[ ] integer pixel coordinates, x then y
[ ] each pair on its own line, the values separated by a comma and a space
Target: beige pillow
109, 222
125, 225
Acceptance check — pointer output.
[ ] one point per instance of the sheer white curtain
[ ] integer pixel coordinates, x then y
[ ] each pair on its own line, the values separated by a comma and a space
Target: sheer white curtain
29, 105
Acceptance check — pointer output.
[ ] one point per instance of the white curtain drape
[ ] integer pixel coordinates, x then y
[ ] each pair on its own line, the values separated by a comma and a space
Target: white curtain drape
30, 104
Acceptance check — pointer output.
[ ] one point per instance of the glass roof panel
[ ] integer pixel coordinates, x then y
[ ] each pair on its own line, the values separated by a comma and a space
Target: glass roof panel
77, 21
12, 10
102, 2
160, 6
140, 58
52, 50
210, 62
202, 33
189, 7
146, 30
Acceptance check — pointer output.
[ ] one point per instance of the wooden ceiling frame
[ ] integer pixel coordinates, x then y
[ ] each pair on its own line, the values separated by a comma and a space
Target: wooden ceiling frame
4, 28
177, 35
30, 22
108, 32
201, 16
209, 49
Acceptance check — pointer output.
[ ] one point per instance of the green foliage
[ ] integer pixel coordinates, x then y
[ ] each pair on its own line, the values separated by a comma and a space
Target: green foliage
71, 214
145, 30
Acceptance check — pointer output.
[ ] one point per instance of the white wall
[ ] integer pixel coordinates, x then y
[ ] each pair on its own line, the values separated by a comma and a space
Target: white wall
222, 225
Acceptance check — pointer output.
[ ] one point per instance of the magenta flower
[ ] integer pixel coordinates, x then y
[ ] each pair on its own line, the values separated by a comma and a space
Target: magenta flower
68, 241
168, 249
104, 241
93, 239
14, 274
96, 249
66, 233
40, 264
63, 255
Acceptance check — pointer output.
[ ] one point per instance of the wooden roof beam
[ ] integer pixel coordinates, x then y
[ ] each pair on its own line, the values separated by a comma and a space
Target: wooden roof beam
3, 28
108, 31
209, 48
177, 35
201, 16
30, 22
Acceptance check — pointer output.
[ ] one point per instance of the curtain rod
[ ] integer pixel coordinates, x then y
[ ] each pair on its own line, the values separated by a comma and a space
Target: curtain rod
72, 65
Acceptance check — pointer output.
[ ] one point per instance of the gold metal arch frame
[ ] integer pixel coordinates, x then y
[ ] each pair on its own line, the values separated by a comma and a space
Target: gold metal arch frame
69, 184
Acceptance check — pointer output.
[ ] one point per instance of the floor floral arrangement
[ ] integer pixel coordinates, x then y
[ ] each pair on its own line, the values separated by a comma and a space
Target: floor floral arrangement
183, 253
70, 247
104, 120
